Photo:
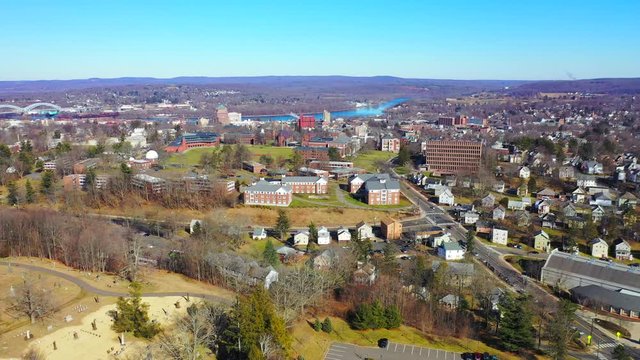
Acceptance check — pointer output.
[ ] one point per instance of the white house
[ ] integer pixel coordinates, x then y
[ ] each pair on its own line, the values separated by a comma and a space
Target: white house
524, 172
578, 195
599, 248
541, 241
259, 234
471, 217
445, 196
499, 236
586, 181
439, 240
516, 205
324, 237
344, 234
451, 250
301, 238
364, 231
623, 250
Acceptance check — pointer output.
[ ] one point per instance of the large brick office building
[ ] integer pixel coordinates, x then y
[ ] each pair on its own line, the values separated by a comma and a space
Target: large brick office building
453, 156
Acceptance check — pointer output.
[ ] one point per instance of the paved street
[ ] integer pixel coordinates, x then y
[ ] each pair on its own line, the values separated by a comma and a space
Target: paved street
492, 258
395, 351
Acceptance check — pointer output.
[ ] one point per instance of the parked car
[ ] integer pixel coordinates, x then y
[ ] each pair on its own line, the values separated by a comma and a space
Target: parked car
467, 356
477, 356
635, 265
383, 343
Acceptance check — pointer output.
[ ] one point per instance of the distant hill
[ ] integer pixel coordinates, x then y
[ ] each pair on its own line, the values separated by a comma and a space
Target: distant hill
259, 81
615, 86
437, 87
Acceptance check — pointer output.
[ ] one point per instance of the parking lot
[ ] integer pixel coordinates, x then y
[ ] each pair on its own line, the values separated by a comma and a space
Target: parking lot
395, 351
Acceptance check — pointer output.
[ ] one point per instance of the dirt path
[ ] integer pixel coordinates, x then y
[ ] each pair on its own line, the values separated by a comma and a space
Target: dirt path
92, 289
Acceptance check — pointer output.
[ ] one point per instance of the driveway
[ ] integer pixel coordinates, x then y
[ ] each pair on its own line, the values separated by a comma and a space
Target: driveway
395, 351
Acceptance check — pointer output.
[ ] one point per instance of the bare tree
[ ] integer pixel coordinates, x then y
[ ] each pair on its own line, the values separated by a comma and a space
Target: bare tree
32, 300
33, 354
192, 333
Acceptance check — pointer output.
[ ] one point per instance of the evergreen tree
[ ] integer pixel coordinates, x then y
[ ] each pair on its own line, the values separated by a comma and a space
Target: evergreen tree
282, 225
516, 329
327, 326
532, 185
270, 255
296, 160
393, 318
251, 318
589, 231
317, 325
313, 233
334, 154
471, 235
389, 262
620, 353
132, 315
403, 155
46, 182
12, 196
30, 194
559, 329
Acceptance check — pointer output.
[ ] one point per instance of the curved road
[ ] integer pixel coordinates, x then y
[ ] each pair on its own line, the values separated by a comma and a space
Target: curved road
92, 289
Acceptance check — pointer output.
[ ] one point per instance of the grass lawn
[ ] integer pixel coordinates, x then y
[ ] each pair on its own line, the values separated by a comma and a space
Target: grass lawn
313, 345
273, 151
367, 159
255, 248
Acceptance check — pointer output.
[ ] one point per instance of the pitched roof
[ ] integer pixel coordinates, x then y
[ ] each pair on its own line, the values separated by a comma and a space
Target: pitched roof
600, 295
265, 186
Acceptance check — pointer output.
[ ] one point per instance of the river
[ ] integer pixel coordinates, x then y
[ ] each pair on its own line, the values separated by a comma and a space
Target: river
371, 111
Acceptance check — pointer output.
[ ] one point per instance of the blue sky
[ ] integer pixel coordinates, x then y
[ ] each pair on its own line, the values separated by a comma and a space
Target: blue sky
510, 39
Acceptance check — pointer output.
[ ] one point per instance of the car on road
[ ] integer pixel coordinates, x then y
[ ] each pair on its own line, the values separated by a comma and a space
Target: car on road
383, 343
635, 265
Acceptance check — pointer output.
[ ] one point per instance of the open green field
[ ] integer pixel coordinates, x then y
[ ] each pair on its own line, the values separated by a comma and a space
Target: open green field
313, 344
368, 159
192, 157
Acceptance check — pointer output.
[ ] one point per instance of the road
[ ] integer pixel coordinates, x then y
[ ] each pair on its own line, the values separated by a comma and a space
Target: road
394, 351
492, 258
94, 290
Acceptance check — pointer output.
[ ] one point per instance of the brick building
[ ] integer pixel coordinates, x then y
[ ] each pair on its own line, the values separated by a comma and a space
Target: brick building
306, 122
268, 194
391, 229
306, 184
193, 140
222, 114
390, 143
149, 184
313, 153
453, 156
376, 189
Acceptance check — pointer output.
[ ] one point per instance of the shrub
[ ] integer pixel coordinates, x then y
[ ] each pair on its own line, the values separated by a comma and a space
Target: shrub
317, 326
326, 325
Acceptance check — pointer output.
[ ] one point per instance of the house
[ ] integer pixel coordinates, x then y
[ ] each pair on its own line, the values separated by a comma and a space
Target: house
288, 254
488, 201
601, 199
391, 229
569, 210
268, 194
546, 193
627, 200
542, 207
516, 205
326, 259
599, 248
575, 222
324, 237
499, 236
524, 172
301, 238
591, 167
566, 173
445, 196
623, 250
483, 227
586, 181
499, 213
522, 190
451, 250
365, 274
344, 234
523, 218
437, 240
450, 301
364, 231
499, 186
259, 234
541, 241
597, 213
579, 195
237, 269
471, 217
548, 220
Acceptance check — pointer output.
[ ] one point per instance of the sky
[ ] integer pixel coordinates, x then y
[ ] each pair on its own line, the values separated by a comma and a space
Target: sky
438, 39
